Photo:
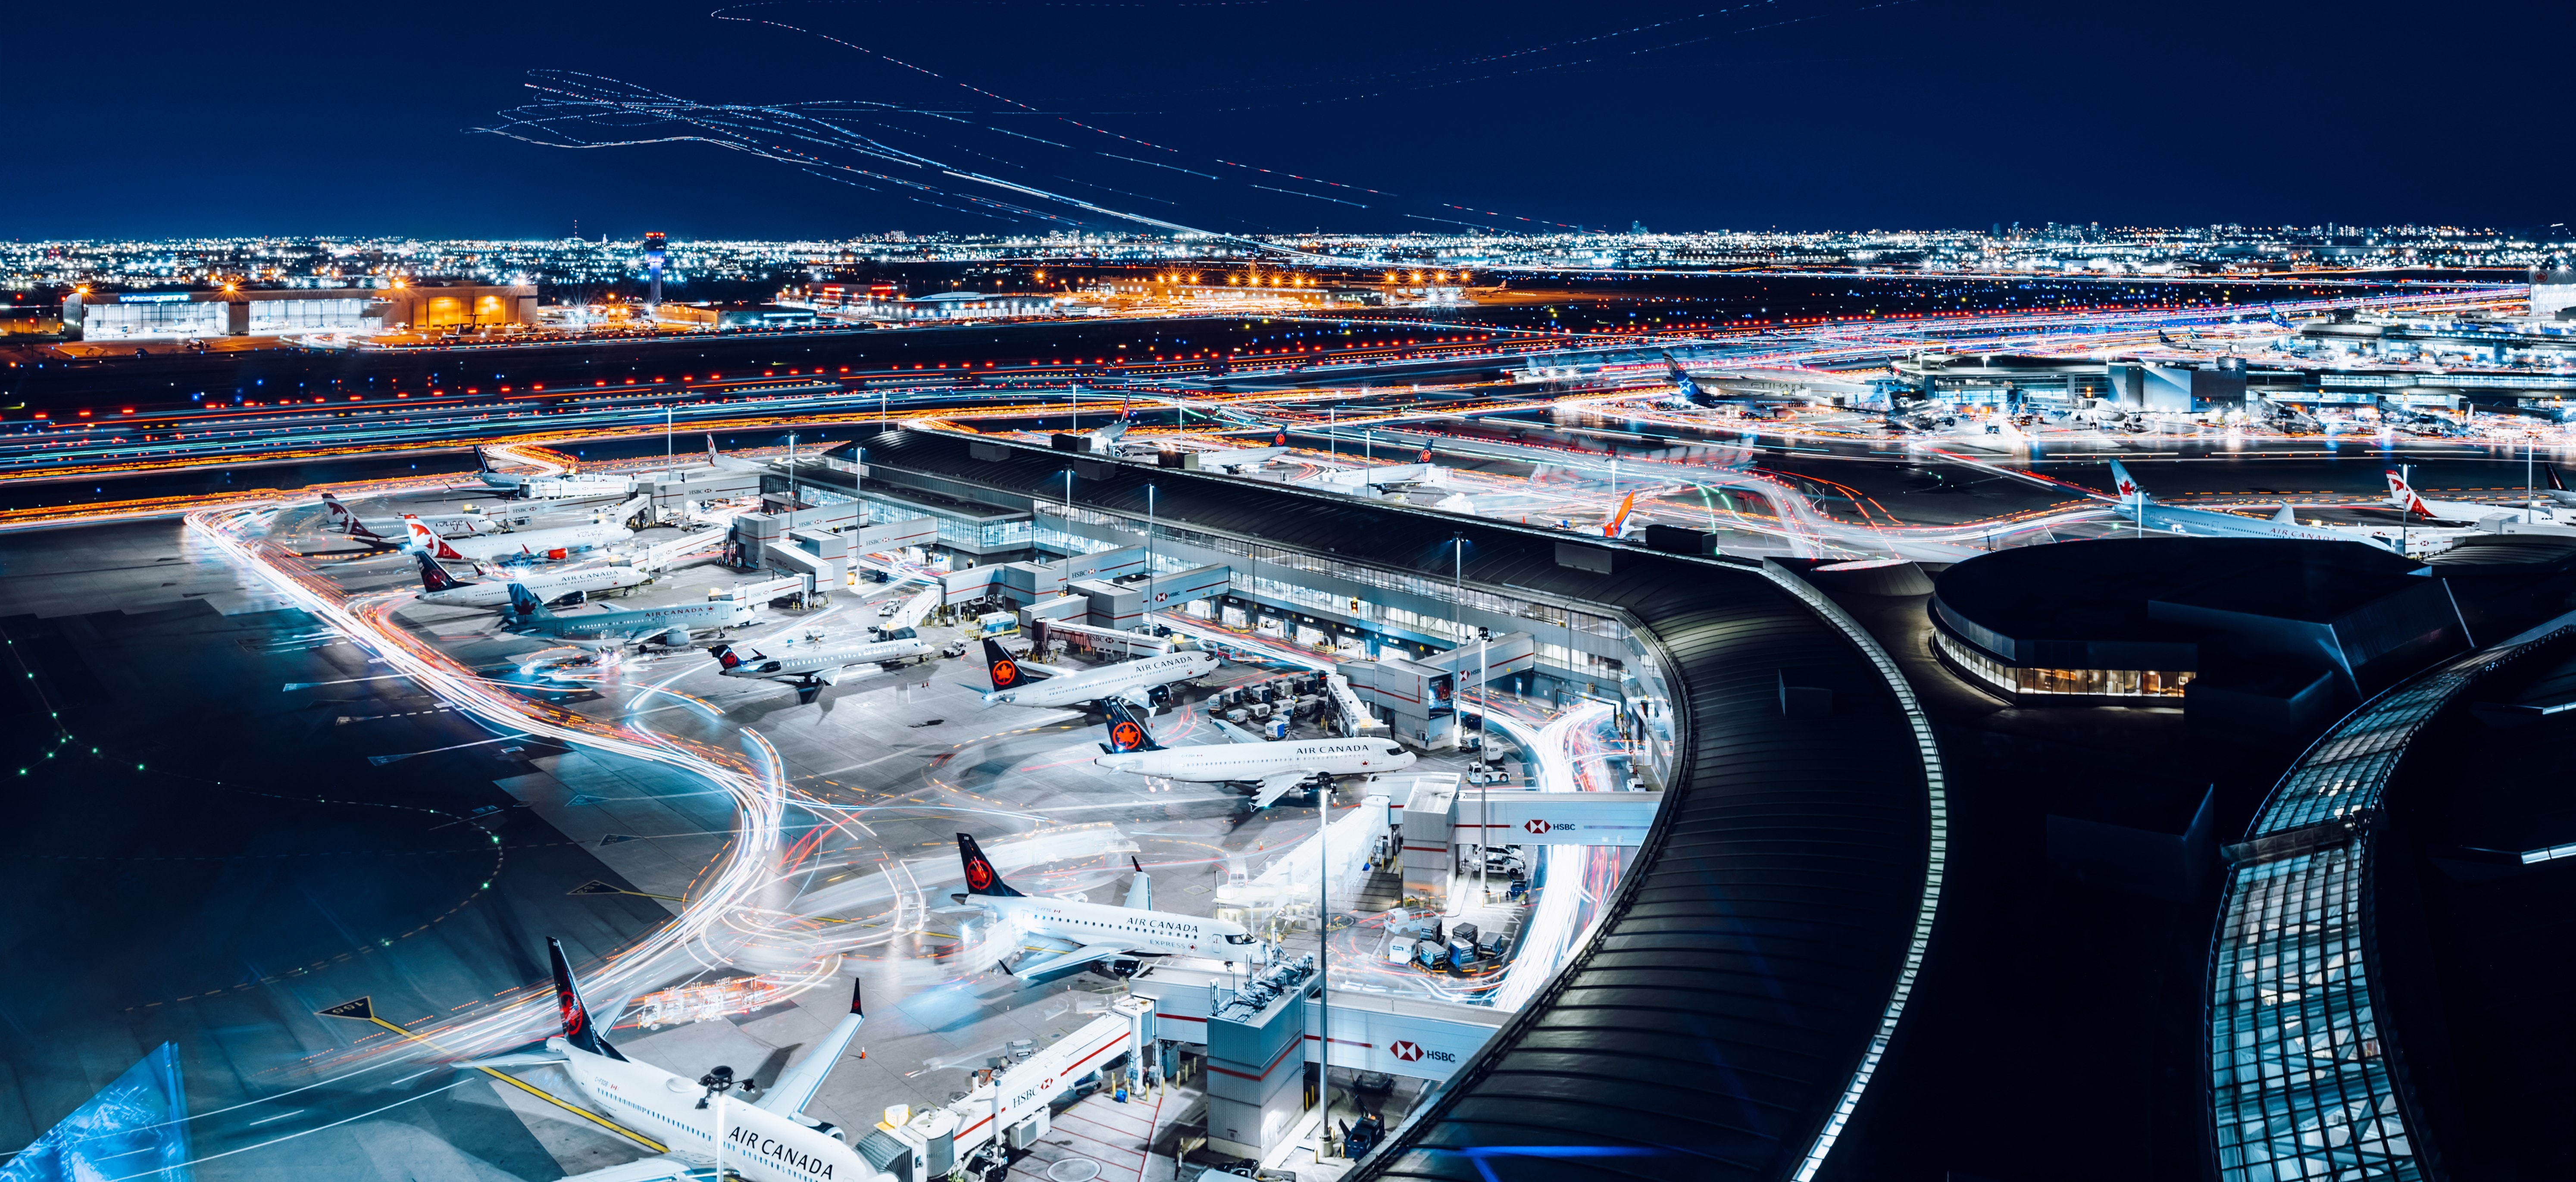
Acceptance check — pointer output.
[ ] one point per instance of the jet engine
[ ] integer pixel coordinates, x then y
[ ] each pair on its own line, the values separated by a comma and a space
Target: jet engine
676, 637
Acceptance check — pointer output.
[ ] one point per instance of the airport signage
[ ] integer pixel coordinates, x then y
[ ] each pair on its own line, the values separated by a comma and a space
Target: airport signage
170, 297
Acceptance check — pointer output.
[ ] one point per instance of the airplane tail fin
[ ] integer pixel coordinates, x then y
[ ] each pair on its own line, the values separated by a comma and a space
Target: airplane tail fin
577, 1028
723, 653
2286, 517
981, 878
1126, 732
525, 604
2402, 495
2126, 485
358, 529
338, 513
2555, 484
711, 451
427, 539
1004, 668
1618, 524
434, 577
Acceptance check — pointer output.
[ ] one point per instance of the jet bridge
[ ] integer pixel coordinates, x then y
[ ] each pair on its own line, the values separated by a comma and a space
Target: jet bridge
1010, 1103
1518, 816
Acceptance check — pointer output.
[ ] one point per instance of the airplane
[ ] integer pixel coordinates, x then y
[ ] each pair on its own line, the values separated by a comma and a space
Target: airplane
1618, 526
1144, 681
769, 1139
1116, 940
452, 525
534, 543
616, 627
551, 488
2402, 495
819, 666
1686, 387
1232, 461
2557, 490
1269, 769
716, 459
574, 586
2135, 505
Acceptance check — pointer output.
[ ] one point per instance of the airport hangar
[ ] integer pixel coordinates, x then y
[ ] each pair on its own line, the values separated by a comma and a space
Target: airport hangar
99, 316
1726, 1016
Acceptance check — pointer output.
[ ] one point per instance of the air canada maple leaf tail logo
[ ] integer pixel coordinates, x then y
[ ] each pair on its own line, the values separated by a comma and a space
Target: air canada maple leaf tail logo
2128, 488
1126, 736
979, 874
1005, 672
574, 1019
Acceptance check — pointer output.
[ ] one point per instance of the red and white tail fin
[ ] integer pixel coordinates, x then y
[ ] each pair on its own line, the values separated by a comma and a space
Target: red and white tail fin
2402, 494
427, 539
338, 513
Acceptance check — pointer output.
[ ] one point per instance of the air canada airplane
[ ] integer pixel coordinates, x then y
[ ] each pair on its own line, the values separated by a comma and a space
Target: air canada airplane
1086, 935
821, 665
531, 543
553, 586
2401, 495
1141, 681
1267, 770
618, 627
449, 524
769, 1139
2135, 505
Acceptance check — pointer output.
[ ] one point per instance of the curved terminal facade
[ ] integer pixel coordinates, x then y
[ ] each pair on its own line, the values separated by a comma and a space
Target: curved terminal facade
2306, 1077
1724, 1018
2270, 632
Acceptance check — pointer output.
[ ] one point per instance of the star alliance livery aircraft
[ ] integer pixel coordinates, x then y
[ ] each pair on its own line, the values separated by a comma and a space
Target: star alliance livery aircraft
1017, 682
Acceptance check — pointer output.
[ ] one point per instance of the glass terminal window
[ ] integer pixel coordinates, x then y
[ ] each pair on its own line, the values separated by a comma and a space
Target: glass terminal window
2107, 683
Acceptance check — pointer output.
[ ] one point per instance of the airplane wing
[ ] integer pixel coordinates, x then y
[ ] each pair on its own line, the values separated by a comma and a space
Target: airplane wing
651, 1169
1033, 970
1139, 696
790, 1092
1029, 666
1274, 787
1234, 733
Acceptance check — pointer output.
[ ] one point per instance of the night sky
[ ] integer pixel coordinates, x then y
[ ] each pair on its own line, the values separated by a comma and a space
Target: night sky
299, 118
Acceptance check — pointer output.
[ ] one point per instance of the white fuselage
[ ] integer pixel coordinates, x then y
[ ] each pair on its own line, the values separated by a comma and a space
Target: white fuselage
535, 543
544, 584
1145, 933
1227, 762
631, 623
2465, 510
1125, 679
825, 664
760, 1145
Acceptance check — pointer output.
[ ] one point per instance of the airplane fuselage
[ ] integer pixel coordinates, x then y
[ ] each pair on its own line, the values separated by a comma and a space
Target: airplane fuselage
1125, 679
549, 585
759, 1145
629, 623
1145, 933
1232, 762
537, 542
2210, 524
825, 665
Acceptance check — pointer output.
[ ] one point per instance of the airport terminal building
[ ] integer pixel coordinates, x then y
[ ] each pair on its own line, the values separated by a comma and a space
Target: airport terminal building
166, 315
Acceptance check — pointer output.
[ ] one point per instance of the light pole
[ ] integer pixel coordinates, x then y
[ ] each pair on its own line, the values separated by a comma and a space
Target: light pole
667, 453
1324, 966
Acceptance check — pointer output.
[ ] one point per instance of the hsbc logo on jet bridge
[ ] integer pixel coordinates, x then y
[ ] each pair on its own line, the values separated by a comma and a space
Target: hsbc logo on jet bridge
1412, 1052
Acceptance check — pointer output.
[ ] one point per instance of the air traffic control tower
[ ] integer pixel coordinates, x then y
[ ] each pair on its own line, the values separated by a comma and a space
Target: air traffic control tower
656, 251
